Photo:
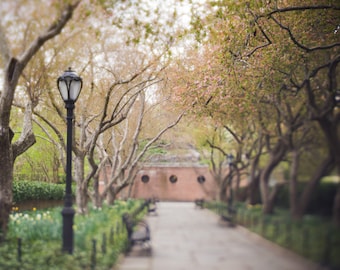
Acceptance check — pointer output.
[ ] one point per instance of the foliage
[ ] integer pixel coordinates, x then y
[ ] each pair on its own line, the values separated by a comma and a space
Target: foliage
34, 190
270, 76
41, 162
155, 150
40, 232
321, 203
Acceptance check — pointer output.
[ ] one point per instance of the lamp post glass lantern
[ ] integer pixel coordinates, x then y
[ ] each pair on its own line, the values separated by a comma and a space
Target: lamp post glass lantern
337, 98
230, 159
69, 85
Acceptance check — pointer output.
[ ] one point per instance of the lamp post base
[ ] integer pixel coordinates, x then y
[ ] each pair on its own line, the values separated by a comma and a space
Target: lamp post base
68, 215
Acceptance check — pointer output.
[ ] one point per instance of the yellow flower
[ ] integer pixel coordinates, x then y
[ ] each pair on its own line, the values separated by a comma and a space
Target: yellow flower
34, 209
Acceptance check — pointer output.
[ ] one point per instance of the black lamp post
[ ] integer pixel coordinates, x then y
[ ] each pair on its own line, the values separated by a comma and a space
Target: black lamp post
69, 85
230, 160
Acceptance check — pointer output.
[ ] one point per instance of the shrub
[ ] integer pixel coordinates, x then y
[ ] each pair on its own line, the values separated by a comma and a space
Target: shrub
33, 190
321, 201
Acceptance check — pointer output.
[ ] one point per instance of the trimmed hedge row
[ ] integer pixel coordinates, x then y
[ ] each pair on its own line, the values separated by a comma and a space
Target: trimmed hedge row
33, 190
321, 202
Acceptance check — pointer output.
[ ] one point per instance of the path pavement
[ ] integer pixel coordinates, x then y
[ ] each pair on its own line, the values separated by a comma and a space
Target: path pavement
187, 238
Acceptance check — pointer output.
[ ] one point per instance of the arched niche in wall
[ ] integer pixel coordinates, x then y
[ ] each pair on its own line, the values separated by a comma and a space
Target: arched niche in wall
201, 179
145, 178
173, 179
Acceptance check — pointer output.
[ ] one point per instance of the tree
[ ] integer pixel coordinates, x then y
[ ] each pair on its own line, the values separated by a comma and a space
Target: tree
301, 74
118, 67
272, 64
14, 67
218, 151
124, 161
315, 78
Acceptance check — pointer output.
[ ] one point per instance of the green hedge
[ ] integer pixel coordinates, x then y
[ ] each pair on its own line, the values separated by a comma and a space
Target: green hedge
321, 202
33, 190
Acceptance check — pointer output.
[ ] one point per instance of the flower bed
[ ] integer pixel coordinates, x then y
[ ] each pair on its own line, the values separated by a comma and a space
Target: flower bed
34, 240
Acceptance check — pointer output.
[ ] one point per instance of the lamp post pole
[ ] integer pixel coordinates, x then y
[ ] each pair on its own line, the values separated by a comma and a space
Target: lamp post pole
230, 159
69, 85
68, 211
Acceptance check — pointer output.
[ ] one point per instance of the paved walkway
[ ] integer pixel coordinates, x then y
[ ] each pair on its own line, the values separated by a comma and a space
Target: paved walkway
187, 238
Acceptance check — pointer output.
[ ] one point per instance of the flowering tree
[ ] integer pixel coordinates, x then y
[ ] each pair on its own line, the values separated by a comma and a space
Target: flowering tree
275, 65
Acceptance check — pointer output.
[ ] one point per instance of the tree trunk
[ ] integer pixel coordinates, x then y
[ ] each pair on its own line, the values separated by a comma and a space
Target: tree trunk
293, 185
253, 186
6, 157
130, 189
252, 190
110, 196
275, 158
331, 130
6, 165
307, 194
237, 186
336, 208
222, 195
271, 200
96, 198
264, 190
81, 187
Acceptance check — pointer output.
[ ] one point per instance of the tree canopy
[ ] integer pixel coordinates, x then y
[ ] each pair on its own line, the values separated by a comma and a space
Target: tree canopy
257, 79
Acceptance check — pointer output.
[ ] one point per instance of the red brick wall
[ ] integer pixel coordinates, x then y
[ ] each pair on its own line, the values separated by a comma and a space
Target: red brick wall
187, 187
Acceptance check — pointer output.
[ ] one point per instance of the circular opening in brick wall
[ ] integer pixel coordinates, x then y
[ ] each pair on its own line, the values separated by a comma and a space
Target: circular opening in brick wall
201, 179
145, 178
173, 178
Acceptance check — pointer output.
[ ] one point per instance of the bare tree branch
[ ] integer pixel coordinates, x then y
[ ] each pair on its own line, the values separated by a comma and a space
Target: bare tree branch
303, 8
269, 42
53, 30
4, 48
300, 45
27, 138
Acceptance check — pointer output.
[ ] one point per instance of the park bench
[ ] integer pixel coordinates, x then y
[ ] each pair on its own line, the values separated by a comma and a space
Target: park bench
138, 231
199, 203
152, 207
227, 215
